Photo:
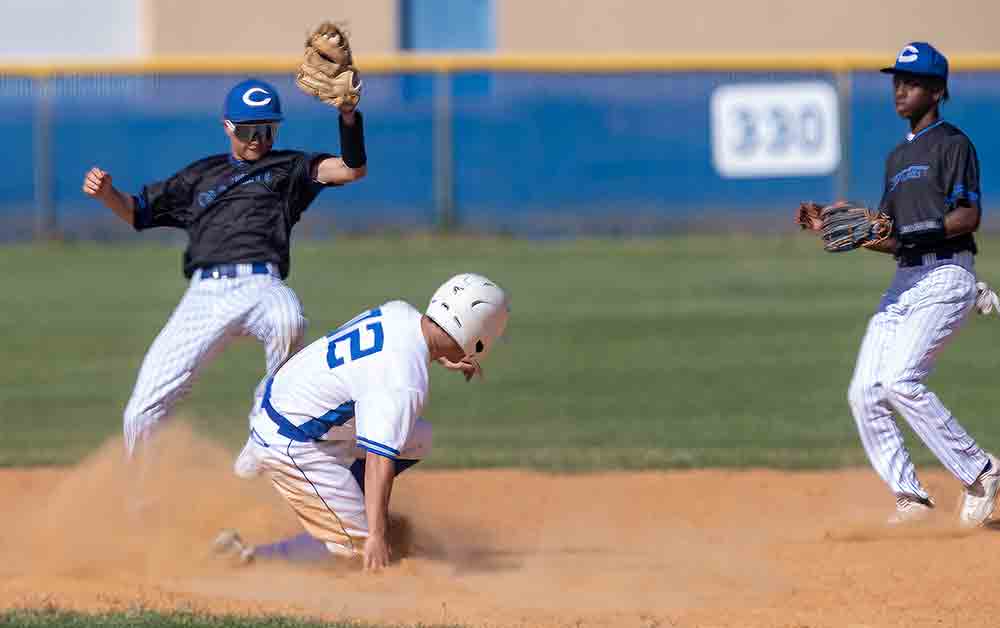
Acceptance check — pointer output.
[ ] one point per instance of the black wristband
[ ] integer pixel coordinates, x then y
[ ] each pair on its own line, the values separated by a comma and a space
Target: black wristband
352, 141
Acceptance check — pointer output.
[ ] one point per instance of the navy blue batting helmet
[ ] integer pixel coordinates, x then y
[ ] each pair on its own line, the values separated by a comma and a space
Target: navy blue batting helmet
253, 99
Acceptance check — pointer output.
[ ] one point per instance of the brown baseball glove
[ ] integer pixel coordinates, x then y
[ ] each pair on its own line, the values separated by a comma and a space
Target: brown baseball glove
808, 216
847, 226
327, 71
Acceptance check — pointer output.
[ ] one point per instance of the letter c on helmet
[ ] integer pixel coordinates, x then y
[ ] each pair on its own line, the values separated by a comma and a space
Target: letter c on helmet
908, 54
256, 103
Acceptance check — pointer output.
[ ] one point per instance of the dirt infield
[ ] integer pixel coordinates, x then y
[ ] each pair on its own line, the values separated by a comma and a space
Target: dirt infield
505, 548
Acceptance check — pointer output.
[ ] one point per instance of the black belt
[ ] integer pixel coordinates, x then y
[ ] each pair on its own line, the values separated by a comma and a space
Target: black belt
913, 258
231, 270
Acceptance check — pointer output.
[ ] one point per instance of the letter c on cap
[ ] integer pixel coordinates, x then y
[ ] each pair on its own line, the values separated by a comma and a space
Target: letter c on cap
907, 55
260, 103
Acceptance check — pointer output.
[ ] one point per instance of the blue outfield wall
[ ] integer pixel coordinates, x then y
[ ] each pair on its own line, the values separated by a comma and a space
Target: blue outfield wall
532, 153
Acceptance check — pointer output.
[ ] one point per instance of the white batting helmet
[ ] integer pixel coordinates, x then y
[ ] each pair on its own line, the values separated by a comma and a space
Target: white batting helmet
472, 310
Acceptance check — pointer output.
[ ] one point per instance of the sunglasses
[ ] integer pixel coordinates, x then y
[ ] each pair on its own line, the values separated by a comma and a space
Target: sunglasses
264, 131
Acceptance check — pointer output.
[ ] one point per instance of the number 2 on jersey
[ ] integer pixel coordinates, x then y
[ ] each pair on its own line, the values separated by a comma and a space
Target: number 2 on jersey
351, 341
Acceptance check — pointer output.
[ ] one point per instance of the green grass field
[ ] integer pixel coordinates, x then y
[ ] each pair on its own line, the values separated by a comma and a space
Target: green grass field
680, 352
146, 619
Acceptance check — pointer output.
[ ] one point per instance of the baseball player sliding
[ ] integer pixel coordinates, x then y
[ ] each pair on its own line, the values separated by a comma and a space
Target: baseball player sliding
238, 210
932, 197
341, 418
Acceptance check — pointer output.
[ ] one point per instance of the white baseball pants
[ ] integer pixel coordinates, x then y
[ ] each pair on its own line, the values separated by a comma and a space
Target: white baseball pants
211, 314
919, 314
323, 481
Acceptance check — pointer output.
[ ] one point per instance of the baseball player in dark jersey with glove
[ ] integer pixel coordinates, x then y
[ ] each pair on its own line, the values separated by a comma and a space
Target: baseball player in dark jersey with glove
238, 210
932, 195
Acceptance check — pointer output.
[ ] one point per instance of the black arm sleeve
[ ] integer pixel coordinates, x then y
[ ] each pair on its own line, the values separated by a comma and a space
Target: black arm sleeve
164, 204
960, 170
352, 141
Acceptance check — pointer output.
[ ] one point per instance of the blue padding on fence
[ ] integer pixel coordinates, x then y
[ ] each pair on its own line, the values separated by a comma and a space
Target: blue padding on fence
614, 148
533, 153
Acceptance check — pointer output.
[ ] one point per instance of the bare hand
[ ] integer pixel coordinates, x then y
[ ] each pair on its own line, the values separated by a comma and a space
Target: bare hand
97, 183
467, 366
376, 552
808, 216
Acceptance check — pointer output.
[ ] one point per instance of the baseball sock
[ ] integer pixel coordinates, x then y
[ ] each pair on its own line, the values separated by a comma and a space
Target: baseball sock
300, 548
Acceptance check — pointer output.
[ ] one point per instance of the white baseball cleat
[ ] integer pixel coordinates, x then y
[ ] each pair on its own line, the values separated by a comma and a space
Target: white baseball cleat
229, 543
910, 509
980, 498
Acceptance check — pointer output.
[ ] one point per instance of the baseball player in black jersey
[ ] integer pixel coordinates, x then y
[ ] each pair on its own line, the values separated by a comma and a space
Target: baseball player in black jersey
238, 210
932, 194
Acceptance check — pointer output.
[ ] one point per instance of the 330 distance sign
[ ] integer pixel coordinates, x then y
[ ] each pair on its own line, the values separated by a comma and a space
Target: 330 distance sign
775, 130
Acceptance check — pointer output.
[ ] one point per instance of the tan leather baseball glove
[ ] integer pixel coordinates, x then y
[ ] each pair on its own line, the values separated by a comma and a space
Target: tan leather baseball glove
327, 71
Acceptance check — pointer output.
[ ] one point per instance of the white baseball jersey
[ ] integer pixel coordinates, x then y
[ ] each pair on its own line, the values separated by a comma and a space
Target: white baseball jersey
358, 391
365, 382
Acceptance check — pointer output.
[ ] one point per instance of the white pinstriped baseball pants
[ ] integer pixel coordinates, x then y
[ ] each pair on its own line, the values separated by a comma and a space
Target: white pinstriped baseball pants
211, 314
918, 315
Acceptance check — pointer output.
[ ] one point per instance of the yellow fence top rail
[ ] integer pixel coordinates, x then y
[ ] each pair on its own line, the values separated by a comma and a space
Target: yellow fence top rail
552, 63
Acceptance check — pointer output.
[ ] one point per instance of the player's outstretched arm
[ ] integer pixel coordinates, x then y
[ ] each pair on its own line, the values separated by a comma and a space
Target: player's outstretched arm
352, 165
379, 475
97, 184
328, 73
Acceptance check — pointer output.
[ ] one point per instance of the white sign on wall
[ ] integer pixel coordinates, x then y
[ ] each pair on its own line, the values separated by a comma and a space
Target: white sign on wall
43, 30
775, 130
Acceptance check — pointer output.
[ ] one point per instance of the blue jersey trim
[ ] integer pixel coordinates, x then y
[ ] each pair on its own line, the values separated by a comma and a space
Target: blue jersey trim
961, 192
377, 451
311, 430
938, 123
375, 443
142, 216
339, 415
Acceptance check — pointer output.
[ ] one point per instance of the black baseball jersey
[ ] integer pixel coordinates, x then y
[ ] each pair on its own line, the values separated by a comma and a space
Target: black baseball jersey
925, 178
233, 211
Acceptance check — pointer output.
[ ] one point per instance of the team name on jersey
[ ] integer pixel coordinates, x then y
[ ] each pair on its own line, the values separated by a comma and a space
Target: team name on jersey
907, 174
206, 198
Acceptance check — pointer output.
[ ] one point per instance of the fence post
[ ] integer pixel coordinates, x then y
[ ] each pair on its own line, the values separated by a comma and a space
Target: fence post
443, 153
45, 214
842, 186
